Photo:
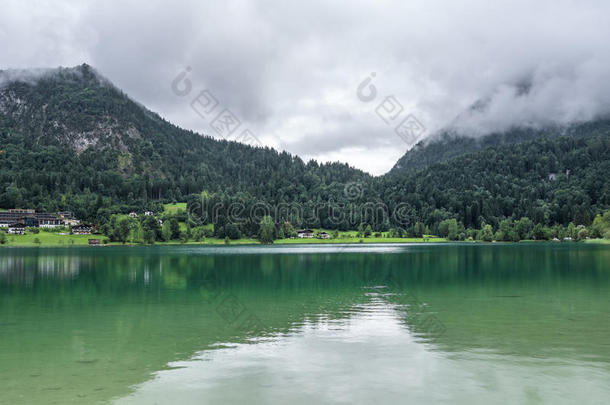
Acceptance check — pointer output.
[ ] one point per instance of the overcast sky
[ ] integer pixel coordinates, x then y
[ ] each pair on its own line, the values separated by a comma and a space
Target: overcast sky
290, 71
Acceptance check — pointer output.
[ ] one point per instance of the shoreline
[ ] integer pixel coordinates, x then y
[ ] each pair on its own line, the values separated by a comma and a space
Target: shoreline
83, 242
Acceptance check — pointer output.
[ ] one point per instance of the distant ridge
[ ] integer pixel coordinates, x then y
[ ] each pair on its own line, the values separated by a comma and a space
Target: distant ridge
448, 144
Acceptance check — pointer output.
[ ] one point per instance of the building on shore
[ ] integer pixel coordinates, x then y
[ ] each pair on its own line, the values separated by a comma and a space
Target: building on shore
305, 233
68, 218
30, 218
49, 220
16, 228
22, 211
82, 229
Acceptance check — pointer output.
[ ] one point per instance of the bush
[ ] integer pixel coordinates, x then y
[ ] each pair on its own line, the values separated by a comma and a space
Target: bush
448, 229
601, 226
149, 237
583, 234
57, 229
200, 233
232, 232
486, 233
267, 232
368, 231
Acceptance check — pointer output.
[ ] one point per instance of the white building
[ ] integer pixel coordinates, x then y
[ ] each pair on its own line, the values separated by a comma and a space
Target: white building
82, 229
305, 233
16, 229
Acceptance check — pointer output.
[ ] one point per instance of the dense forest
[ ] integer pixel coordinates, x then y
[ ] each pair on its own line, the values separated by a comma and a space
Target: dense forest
70, 140
448, 144
551, 181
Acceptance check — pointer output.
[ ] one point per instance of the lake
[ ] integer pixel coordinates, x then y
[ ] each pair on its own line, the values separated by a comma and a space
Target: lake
420, 323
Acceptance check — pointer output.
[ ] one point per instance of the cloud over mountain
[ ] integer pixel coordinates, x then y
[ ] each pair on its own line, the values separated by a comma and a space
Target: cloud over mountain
289, 71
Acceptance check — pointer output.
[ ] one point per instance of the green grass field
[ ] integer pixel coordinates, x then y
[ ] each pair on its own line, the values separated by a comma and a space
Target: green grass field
599, 241
49, 239
52, 239
173, 208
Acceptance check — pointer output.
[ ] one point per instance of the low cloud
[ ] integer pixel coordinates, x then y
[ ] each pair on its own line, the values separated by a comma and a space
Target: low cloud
290, 70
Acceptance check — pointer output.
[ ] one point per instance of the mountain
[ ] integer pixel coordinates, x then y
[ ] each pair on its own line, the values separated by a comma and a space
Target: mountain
553, 175
448, 144
551, 180
69, 138
71, 141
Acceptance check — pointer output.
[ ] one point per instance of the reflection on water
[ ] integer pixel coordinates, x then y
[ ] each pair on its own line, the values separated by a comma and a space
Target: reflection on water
20, 269
275, 324
366, 358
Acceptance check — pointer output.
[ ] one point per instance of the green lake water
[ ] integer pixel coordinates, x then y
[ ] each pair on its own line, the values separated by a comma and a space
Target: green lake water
420, 323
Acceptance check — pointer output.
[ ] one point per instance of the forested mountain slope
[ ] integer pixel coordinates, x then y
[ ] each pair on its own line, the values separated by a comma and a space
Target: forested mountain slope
549, 180
448, 144
68, 136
